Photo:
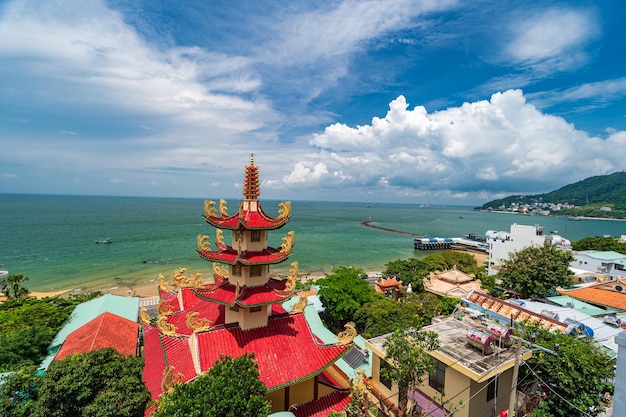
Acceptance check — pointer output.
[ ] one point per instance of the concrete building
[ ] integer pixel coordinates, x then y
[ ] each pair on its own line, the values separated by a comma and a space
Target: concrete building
501, 244
608, 263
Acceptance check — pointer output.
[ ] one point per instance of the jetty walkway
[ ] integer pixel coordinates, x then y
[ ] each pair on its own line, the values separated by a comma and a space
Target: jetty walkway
368, 223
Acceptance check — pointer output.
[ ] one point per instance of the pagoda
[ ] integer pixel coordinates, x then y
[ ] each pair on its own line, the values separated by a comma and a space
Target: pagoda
239, 310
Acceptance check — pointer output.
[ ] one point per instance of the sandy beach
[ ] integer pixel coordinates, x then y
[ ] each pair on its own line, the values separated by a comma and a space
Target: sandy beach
149, 286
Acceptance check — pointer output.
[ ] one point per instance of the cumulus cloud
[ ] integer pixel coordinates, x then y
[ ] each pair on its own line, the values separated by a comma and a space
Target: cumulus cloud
503, 145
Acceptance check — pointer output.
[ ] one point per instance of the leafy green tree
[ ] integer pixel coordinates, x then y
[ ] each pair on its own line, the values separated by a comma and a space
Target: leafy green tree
342, 293
409, 360
11, 286
573, 379
536, 271
18, 392
28, 325
409, 271
95, 384
384, 315
231, 388
600, 244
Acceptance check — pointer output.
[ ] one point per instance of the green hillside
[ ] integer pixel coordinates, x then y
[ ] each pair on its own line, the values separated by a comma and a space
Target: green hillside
588, 195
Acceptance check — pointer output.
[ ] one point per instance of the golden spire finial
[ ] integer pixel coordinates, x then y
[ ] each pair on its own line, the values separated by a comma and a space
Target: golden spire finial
251, 159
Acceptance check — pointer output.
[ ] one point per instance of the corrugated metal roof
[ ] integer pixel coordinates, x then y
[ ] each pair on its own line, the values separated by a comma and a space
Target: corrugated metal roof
606, 255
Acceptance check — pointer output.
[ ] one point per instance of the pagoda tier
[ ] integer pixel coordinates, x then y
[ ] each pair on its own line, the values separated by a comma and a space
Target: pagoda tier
285, 350
230, 256
250, 216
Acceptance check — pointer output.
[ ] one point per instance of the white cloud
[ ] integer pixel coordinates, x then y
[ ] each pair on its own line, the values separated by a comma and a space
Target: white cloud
553, 40
476, 149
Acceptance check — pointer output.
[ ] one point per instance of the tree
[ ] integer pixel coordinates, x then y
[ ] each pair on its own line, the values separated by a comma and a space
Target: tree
600, 244
384, 315
231, 388
407, 353
18, 392
536, 271
409, 271
95, 384
343, 293
570, 380
11, 286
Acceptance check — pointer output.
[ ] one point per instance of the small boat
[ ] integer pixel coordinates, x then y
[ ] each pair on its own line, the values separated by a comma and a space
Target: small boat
461, 217
107, 240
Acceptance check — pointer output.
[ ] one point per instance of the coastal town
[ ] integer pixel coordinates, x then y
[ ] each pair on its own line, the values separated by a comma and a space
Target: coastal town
309, 366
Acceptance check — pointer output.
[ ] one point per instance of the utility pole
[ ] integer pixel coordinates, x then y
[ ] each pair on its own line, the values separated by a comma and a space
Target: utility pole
513, 394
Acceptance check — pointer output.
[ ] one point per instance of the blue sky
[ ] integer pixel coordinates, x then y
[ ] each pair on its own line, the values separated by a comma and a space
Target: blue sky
431, 101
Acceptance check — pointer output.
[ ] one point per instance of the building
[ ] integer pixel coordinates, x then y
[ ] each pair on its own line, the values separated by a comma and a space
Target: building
451, 283
501, 244
239, 310
468, 381
608, 263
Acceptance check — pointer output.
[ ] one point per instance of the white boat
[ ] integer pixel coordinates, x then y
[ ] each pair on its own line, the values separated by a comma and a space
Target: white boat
107, 240
4, 274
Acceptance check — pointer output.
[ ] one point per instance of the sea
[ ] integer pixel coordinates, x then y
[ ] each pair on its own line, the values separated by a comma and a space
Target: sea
52, 238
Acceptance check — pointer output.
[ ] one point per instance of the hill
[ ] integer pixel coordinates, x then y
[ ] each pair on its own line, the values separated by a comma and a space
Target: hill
590, 197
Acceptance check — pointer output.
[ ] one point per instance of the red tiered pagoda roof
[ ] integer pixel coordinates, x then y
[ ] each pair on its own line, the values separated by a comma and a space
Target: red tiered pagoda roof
286, 352
322, 407
229, 256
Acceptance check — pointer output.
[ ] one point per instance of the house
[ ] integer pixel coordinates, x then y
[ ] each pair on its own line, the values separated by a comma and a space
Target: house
451, 283
608, 263
468, 381
501, 244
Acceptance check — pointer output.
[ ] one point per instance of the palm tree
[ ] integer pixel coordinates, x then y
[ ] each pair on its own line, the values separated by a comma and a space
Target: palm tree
11, 286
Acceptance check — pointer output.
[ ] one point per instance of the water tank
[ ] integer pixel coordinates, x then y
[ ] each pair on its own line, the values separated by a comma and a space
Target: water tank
480, 340
499, 331
612, 321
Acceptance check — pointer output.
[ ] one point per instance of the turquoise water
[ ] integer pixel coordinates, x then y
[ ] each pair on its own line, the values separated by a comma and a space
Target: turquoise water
51, 239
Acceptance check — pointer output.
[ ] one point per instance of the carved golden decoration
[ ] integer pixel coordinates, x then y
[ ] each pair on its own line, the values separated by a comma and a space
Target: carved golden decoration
165, 327
143, 314
183, 281
220, 270
291, 279
170, 379
196, 280
285, 209
300, 305
345, 337
359, 391
209, 208
219, 236
197, 325
223, 209
203, 242
237, 289
165, 309
287, 244
162, 283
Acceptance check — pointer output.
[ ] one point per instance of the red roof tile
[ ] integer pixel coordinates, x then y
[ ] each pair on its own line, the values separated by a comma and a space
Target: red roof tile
229, 256
248, 219
226, 293
322, 407
285, 350
108, 330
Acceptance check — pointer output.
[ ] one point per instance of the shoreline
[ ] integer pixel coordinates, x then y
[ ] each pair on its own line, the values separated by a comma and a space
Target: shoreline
145, 287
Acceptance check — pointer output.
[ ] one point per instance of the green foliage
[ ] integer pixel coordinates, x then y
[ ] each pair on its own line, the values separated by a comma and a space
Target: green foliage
18, 392
11, 286
410, 362
384, 315
414, 270
536, 271
231, 388
99, 383
574, 378
600, 244
342, 293
27, 327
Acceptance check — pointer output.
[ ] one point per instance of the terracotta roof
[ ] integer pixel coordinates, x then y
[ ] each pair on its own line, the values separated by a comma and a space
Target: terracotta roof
285, 349
598, 296
513, 311
452, 275
108, 330
323, 406
230, 256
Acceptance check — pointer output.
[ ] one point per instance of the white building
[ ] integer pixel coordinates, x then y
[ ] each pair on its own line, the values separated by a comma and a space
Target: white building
501, 244
611, 263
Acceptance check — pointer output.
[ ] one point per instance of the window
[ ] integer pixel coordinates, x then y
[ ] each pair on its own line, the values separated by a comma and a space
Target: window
492, 388
255, 309
256, 270
438, 378
255, 236
385, 381
237, 270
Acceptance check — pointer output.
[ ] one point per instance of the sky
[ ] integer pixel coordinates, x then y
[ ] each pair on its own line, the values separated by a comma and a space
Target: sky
402, 101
